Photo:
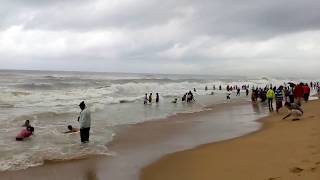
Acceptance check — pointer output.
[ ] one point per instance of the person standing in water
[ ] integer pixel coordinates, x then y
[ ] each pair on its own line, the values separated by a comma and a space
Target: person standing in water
150, 98
238, 91
85, 122
145, 101
157, 97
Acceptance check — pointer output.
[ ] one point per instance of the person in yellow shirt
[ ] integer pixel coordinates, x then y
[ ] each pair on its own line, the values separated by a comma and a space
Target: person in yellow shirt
270, 97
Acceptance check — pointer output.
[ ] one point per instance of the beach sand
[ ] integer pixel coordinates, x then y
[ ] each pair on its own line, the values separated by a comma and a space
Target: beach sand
282, 150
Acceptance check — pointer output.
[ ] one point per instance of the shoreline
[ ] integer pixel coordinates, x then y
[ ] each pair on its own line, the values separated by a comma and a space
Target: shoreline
166, 135
221, 160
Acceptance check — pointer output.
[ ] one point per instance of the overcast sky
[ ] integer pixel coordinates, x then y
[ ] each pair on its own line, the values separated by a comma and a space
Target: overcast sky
235, 37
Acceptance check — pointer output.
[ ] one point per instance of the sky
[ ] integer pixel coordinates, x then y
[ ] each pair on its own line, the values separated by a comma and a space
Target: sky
218, 37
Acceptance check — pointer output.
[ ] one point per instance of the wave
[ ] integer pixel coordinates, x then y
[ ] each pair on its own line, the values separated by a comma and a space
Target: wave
33, 86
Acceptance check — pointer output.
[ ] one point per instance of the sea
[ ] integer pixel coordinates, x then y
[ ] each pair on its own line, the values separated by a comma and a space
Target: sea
50, 99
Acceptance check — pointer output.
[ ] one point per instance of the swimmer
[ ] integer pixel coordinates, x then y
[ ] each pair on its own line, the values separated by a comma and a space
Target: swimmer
71, 129
25, 133
175, 100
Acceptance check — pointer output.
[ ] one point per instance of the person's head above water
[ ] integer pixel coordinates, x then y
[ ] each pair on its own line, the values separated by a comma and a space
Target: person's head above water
27, 123
82, 105
70, 127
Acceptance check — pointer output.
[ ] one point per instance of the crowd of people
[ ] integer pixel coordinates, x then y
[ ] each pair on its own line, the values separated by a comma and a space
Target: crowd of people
290, 94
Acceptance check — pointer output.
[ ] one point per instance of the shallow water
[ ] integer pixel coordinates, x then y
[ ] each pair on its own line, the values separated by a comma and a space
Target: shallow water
50, 100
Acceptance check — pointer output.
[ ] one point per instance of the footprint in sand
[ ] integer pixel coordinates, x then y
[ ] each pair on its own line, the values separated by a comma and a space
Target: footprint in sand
296, 170
313, 169
273, 178
311, 146
315, 134
315, 152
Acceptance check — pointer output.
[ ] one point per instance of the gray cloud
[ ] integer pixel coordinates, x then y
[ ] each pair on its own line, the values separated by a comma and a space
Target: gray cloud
208, 36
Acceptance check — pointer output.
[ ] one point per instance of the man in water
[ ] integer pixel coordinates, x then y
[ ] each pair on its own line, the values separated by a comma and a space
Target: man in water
145, 101
228, 95
294, 110
238, 91
150, 98
184, 97
25, 133
71, 129
157, 97
85, 122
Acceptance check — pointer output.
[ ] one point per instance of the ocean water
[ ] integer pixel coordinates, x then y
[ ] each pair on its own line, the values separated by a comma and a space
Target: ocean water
50, 101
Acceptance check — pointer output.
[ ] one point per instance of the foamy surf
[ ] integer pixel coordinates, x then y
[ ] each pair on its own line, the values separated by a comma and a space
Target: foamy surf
50, 101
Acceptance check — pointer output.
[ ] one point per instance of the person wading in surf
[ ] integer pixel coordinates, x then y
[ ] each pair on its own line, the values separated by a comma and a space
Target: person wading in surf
85, 122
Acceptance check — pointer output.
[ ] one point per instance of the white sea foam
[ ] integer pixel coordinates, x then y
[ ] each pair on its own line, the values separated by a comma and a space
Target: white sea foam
50, 101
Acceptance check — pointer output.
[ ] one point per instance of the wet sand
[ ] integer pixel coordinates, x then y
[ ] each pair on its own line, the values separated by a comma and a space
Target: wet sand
282, 150
138, 145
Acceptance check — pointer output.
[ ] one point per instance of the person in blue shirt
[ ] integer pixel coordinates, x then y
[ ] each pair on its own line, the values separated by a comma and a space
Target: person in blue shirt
279, 98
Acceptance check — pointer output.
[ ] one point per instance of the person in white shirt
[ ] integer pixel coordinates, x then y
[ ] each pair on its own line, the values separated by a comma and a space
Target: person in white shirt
85, 123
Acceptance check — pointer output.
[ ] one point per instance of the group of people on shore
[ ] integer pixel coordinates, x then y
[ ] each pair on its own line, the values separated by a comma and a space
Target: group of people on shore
84, 120
291, 95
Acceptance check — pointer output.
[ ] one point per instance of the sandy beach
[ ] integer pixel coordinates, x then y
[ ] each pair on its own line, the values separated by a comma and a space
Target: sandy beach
282, 149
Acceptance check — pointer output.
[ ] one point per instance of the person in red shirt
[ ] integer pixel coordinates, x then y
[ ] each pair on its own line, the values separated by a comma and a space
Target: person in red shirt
306, 91
25, 133
298, 93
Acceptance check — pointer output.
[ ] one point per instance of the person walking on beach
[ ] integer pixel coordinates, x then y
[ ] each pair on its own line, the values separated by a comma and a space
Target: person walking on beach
298, 93
279, 98
306, 92
157, 97
85, 122
270, 97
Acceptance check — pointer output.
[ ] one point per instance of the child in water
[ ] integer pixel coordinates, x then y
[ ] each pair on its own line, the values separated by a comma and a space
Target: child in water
25, 133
